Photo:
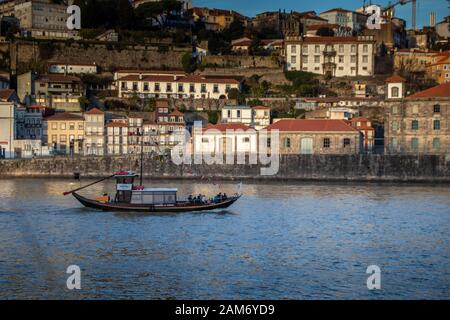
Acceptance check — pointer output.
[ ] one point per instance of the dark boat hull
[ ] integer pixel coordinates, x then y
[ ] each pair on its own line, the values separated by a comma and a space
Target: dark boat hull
93, 204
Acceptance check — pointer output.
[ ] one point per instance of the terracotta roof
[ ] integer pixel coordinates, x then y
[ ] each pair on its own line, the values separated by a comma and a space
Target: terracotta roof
359, 119
116, 125
440, 91
334, 39
5, 94
176, 113
260, 108
395, 78
58, 78
312, 125
186, 79
94, 111
65, 116
223, 127
337, 10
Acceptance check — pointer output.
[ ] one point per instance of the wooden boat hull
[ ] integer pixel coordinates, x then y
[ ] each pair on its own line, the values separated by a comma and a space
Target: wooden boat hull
93, 204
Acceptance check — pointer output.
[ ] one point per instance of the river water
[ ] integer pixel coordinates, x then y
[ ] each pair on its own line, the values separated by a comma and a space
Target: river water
281, 241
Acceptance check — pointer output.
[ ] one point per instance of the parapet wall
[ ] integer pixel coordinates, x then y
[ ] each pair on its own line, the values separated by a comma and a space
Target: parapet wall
300, 167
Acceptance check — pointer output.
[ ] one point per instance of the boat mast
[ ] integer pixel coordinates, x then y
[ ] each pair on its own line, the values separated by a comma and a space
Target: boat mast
141, 183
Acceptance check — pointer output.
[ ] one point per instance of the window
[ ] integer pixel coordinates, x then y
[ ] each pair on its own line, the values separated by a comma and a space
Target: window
341, 48
436, 143
293, 49
305, 59
157, 87
394, 92
316, 59
203, 90
353, 48
294, 59
216, 88
415, 109
180, 87
437, 108
246, 139
317, 49
192, 87
394, 143
123, 85
437, 124
54, 138
341, 59
229, 113
415, 143
135, 86
169, 87
415, 124
55, 126
365, 48
63, 126
305, 49
80, 126
347, 142
365, 59
269, 142
205, 140
238, 113
326, 142
394, 126
146, 86
71, 126
63, 138
352, 59
287, 142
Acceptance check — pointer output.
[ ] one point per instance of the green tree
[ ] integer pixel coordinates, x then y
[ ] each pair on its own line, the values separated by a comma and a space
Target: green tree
189, 62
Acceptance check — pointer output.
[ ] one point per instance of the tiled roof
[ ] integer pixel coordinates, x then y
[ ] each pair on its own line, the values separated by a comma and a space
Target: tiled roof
176, 113
65, 116
5, 94
116, 125
58, 78
223, 127
313, 125
333, 40
440, 91
94, 111
336, 10
395, 78
186, 79
261, 108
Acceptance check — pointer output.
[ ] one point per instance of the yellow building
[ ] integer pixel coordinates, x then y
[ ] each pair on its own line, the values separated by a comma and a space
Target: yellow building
440, 70
216, 18
65, 133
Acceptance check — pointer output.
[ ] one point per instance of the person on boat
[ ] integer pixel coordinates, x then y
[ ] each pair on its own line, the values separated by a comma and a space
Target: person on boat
204, 200
225, 197
190, 198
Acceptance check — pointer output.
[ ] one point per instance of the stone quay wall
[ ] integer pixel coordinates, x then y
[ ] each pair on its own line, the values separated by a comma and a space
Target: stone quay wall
296, 167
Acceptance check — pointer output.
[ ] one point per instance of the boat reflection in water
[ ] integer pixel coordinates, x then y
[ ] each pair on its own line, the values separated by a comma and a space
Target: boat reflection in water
140, 199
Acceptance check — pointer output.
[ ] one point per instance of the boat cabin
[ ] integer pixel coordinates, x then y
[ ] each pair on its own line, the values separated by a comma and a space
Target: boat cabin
155, 196
124, 186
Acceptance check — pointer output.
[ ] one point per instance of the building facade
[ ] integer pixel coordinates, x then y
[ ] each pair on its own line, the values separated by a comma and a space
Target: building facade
94, 135
174, 86
257, 117
116, 139
299, 136
65, 133
332, 56
419, 124
345, 18
7, 129
72, 68
59, 91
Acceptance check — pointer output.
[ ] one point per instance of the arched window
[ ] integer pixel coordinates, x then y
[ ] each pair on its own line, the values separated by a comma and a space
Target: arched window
394, 92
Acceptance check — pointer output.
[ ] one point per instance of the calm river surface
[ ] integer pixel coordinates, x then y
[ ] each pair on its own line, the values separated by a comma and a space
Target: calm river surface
281, 241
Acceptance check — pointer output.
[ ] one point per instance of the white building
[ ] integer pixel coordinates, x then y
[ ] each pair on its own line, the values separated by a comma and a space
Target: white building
175, 86
72, 68
334, 56
256, 117
94, 132
225, 138
395, 87
43, 19
116, 138
30, 148
345, 18
7, 130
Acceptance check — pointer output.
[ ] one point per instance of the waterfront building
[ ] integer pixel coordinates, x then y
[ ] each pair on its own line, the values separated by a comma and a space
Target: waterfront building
30, 148
59, 91
364, 126
65, 133
331, 56
94, 136
298, 136
175, 86
72, 68
419, 123
135, 133
345, 18
117, 138
43, 19
257, 117
7, 129
226, 138
283, 23
29, 122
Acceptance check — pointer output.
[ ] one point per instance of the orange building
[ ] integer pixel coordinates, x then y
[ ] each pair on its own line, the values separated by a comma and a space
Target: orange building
440, 70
